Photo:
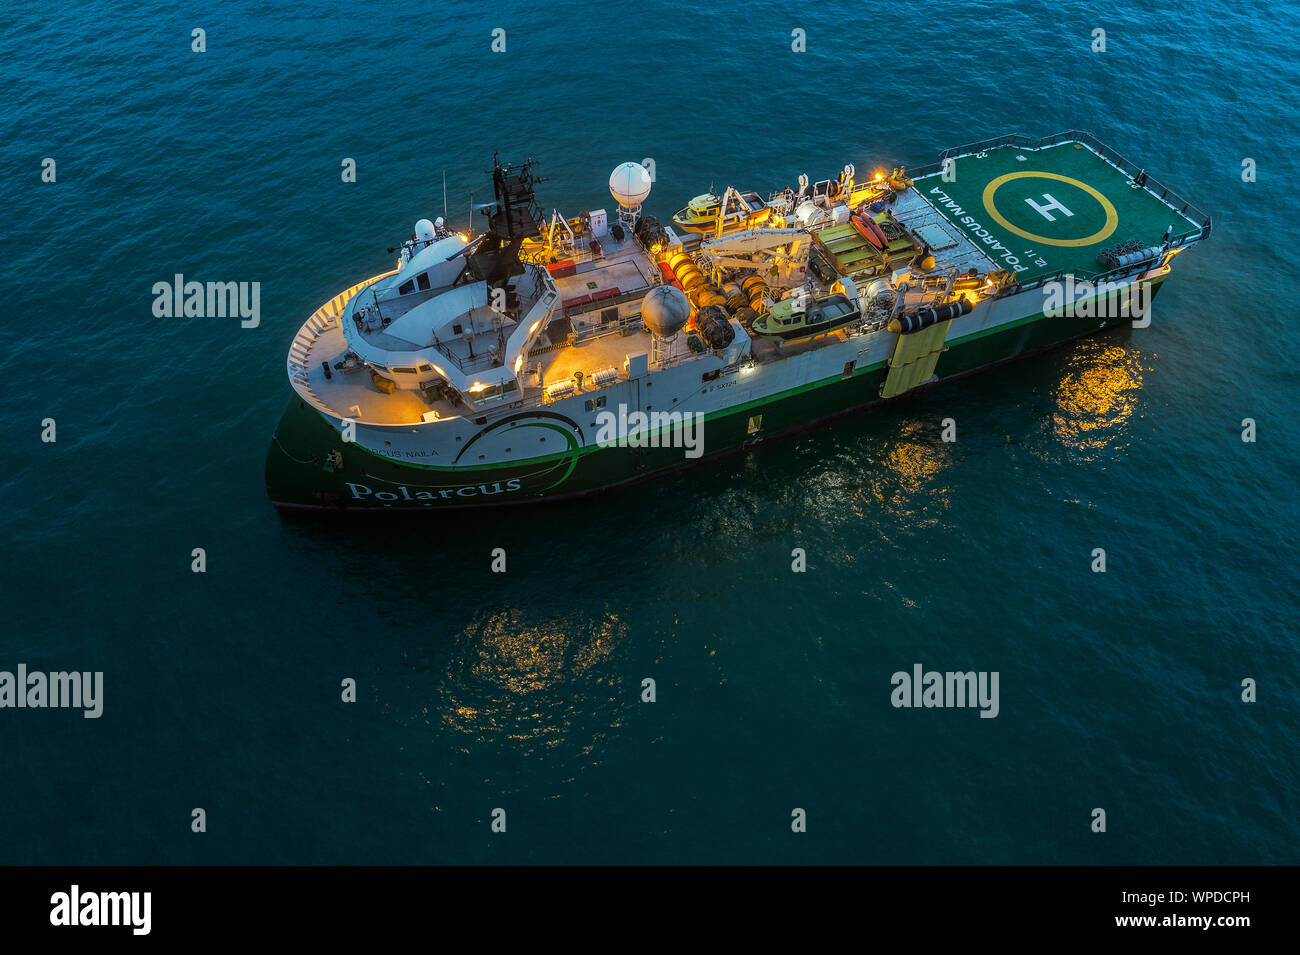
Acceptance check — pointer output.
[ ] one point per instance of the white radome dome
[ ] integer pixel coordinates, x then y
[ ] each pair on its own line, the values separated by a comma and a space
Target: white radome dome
629, 184
424, 230
665, 310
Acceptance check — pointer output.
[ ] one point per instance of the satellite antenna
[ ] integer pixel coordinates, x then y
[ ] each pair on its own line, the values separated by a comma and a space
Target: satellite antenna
629, 184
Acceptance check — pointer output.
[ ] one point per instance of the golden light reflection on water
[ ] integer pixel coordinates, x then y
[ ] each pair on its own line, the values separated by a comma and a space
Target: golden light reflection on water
1096, 398
903, 482
900, 475
516, 678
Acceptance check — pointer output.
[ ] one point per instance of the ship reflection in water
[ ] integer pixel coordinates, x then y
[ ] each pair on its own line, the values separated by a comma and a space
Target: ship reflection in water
904, 470
895, 467
1095, 399
540, 685
514, 680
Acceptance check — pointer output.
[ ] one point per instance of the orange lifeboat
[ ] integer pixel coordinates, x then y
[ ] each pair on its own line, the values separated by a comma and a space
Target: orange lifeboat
869, 230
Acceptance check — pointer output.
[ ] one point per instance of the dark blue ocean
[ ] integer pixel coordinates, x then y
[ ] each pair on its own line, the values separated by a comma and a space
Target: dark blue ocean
522, 691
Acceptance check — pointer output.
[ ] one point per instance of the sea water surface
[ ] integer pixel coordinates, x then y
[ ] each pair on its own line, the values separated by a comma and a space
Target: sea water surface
522, 691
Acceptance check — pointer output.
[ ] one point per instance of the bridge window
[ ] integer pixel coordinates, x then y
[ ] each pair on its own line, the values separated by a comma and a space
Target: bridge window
494, 392
406, 288
422, 280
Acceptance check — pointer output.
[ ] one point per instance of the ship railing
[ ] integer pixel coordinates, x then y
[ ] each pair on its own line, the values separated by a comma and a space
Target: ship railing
543, 282
599, 305
534, 284
581, 254
320, 322
577, 254
1117, 275
468, 363
624, 325
1137, 173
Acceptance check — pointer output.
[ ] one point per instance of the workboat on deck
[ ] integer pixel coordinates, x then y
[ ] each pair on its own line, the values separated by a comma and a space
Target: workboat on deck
795, 317
711, 214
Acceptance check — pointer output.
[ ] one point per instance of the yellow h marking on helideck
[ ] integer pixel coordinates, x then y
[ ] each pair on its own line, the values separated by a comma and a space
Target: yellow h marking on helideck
1112, 217
1045, 210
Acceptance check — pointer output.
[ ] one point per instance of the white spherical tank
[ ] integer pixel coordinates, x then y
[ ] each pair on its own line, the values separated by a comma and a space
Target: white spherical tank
665, 310
424, 231
629, 184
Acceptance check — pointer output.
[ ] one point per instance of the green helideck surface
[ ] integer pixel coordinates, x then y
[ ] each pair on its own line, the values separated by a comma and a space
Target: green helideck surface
1089, 188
